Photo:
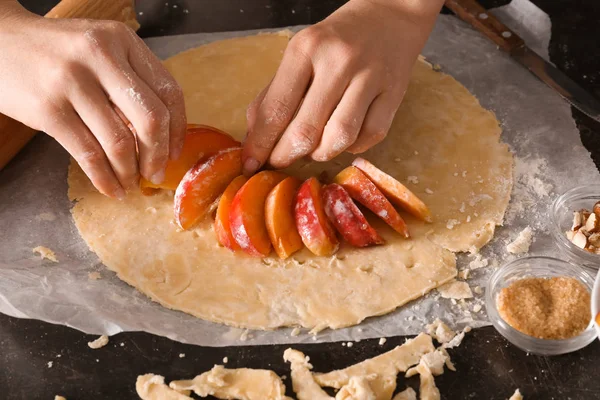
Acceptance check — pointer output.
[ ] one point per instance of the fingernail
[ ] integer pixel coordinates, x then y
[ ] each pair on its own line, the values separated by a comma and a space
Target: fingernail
158, 177
120, 194
251, 165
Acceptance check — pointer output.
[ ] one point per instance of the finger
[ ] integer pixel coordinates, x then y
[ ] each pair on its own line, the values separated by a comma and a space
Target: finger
75, 137
148, 115
110, 131
377, 123
155, 75
342, 129
304, 133
252, 109
277, 109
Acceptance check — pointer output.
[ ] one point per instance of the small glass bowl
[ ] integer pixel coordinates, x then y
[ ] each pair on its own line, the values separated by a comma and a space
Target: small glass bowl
562, 219
544, 267
596, 302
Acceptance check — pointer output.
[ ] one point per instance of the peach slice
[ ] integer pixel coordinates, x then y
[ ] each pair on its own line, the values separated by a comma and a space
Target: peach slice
361, 189
279, 216
203, 184
312, 222
201, 142
222, 227
395, 191
247, 214
149, 191
347, 218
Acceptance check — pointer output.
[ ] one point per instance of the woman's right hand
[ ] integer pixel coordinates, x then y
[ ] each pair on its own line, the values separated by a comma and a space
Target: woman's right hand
81, 82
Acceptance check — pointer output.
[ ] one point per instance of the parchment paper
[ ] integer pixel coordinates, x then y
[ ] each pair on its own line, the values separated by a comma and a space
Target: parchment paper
34, 210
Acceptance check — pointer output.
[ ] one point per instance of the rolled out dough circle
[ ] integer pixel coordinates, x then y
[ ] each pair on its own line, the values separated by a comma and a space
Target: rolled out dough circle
441, 138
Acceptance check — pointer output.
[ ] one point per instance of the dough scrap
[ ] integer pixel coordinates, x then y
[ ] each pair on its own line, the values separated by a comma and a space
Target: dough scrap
241, 384
457, 340
440, 331
455, 290
522, 242
303, 382
406, 394
439, 130
153, 387
372, 379
434, 361
384, 367
57, 397
45, 253
98, 343
427, 389
516, 395
358, 388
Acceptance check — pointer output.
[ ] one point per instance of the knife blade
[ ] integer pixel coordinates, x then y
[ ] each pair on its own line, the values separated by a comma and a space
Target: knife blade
474, 14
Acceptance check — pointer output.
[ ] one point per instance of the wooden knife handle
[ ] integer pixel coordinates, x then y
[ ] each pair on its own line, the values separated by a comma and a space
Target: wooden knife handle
475, 15
14, 135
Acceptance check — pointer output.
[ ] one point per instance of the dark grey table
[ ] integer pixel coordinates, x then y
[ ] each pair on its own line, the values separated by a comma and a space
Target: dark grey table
488, 366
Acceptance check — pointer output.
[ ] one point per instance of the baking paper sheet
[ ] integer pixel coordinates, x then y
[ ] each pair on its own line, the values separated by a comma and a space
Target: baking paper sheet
34, 210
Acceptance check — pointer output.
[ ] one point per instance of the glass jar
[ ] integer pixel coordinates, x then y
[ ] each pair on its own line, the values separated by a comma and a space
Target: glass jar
581, 197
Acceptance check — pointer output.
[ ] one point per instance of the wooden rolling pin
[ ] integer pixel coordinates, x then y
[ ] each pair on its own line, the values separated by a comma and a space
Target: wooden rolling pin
14, 135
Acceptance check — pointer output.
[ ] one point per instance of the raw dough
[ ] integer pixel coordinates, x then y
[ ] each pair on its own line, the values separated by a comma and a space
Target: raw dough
98, 343
152, 387
516, 395
407, 394
522, 242
440, 331
45, 253
372, 379
455, 290
384, 368
303, 381
440, 134
358, 388
241, 383
427, 389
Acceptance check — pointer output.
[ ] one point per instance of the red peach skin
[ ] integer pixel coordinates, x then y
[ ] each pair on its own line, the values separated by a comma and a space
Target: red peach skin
347, 218
361, 189
279, 216
313, 225
222, 226
396, 192
203, 184
247, 214
201, 142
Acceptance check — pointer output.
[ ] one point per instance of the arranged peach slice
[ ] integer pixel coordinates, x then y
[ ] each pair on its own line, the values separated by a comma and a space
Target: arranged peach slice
347, 218
203, 184
312, 222
279, 216
395, 191
222, 226
149, 191
200, 142
247, 214
361, 189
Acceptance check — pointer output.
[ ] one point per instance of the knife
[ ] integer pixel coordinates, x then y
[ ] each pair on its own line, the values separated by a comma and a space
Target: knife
475, 15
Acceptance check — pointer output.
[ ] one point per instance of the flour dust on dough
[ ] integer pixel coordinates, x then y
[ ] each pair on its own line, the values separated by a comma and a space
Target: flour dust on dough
441, 135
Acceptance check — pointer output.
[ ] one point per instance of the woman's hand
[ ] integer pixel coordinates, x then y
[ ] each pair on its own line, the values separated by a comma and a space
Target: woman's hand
339, 84
82, 81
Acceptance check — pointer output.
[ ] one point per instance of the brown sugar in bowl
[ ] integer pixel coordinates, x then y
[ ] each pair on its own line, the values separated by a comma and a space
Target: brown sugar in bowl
547, 272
